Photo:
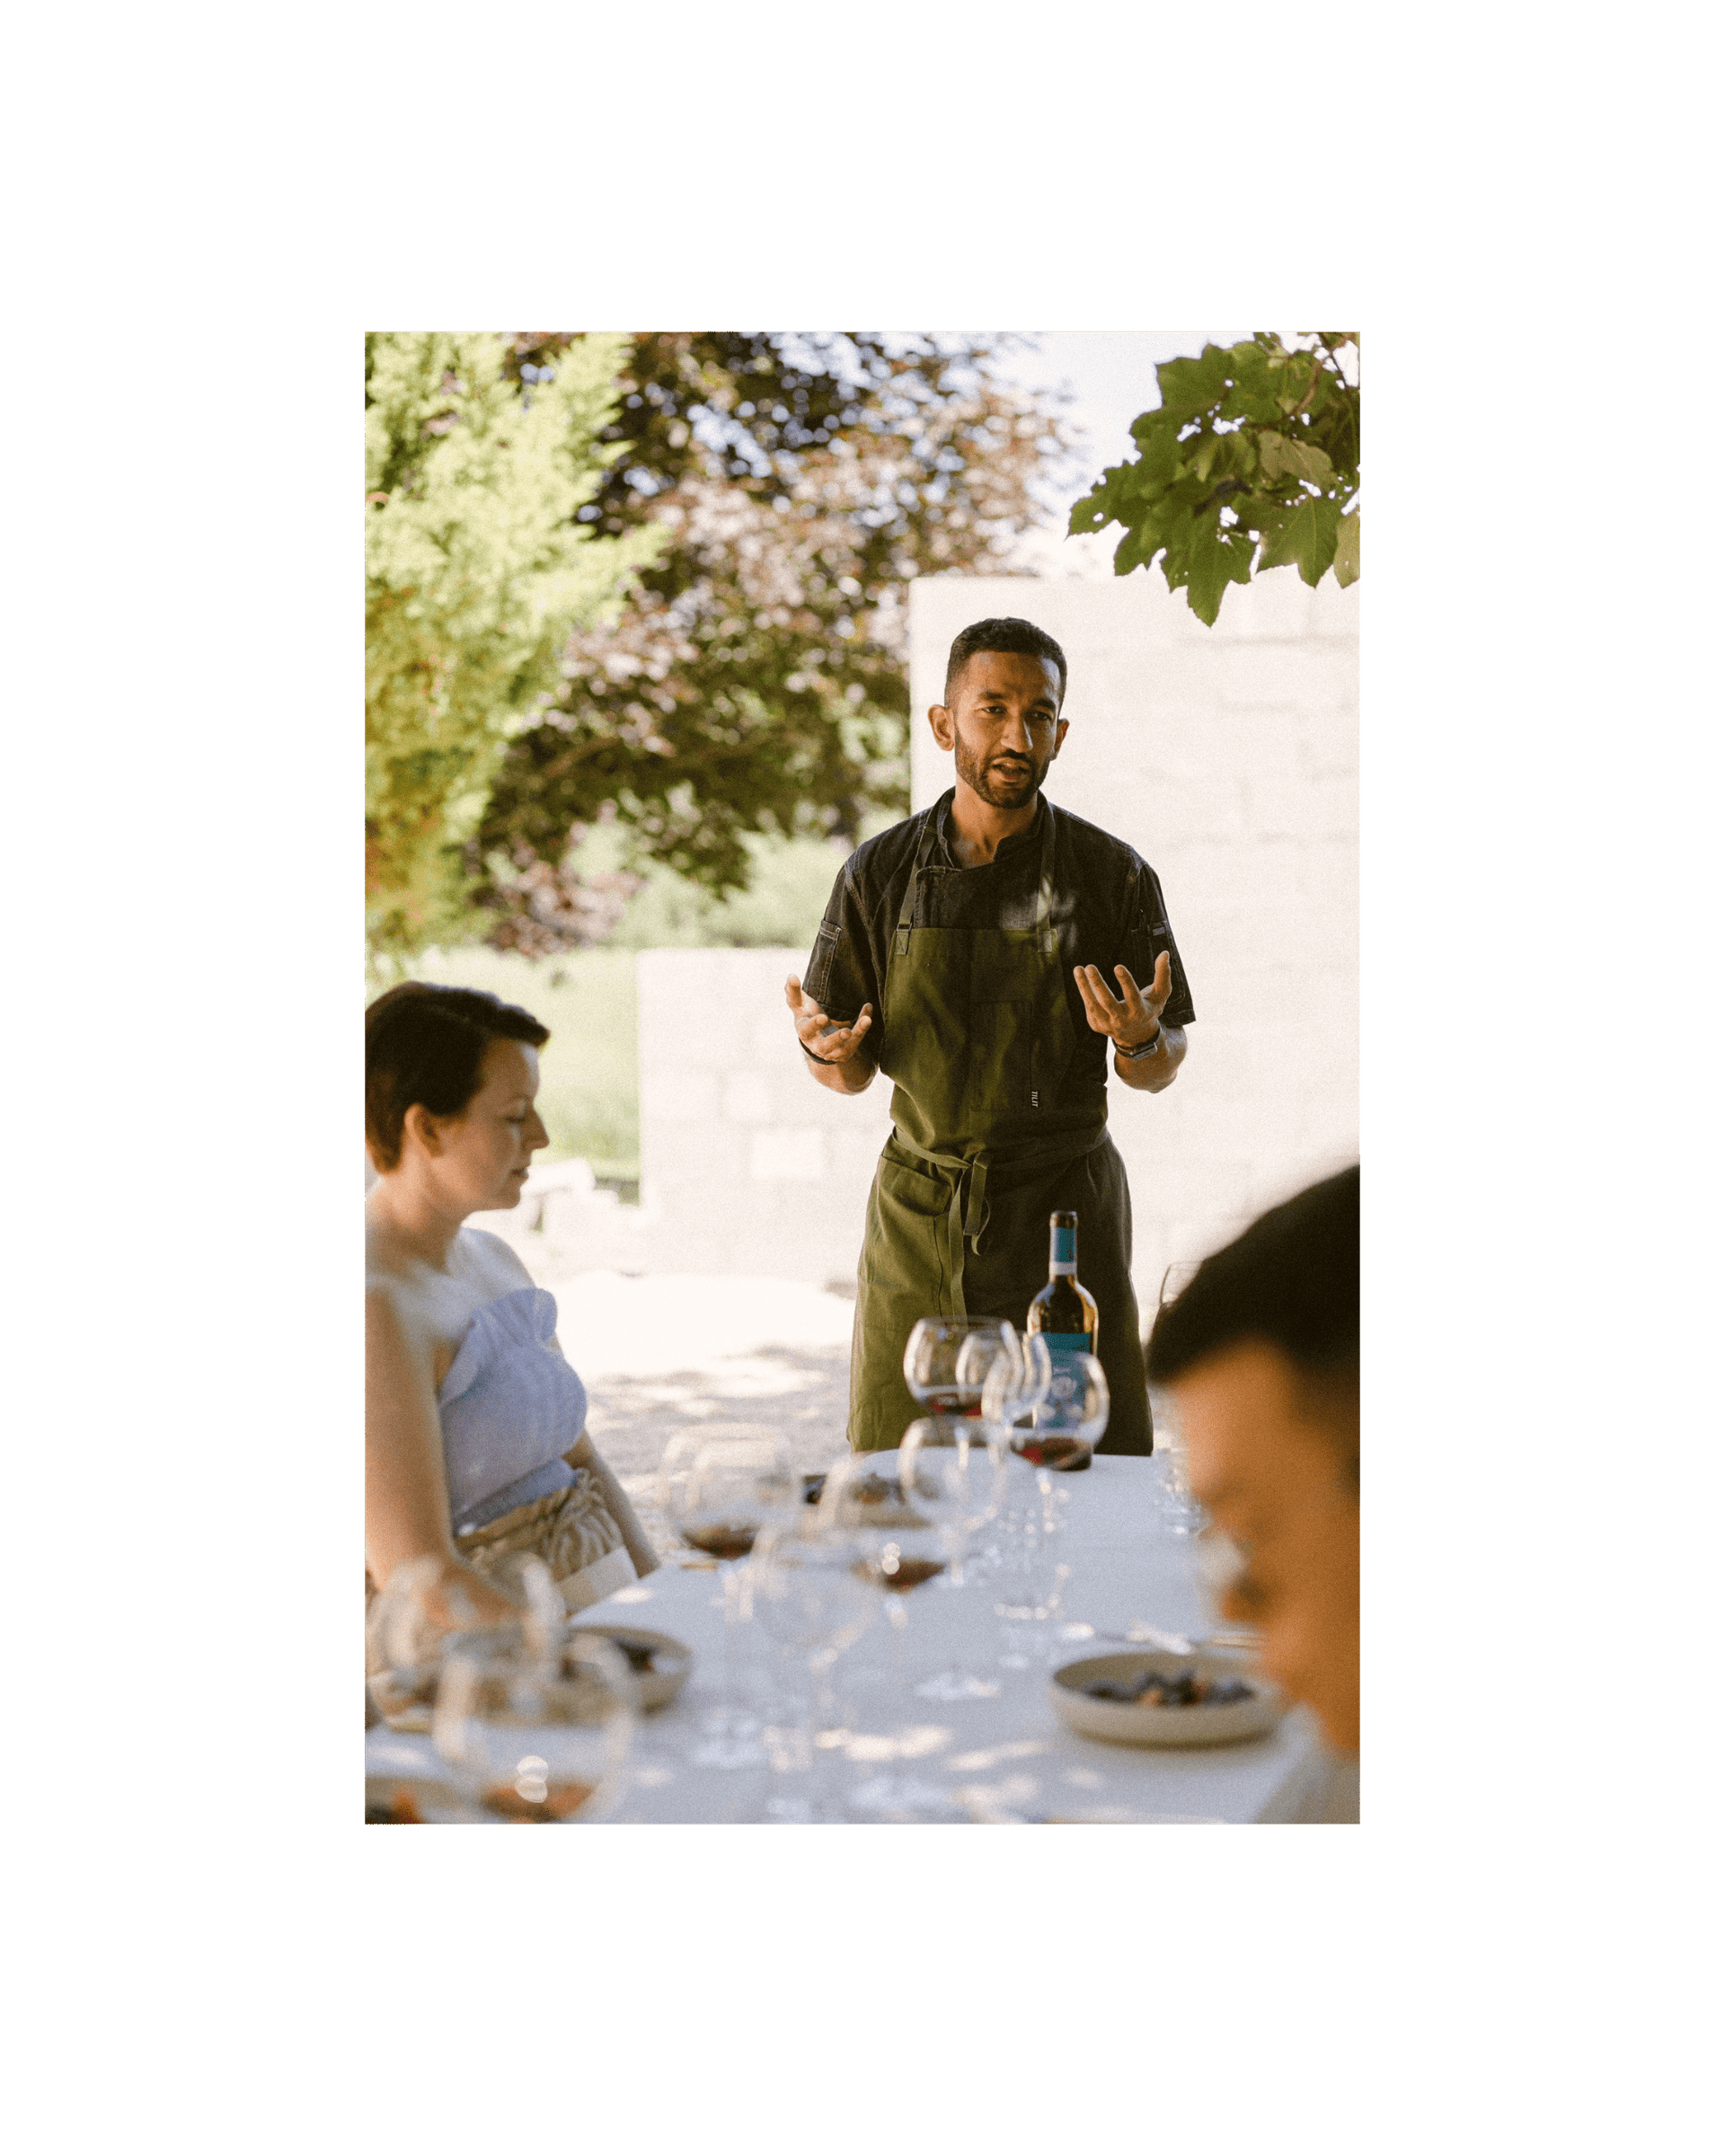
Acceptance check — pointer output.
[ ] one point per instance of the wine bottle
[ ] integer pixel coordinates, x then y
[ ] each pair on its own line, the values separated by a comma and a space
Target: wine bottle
1064, 1313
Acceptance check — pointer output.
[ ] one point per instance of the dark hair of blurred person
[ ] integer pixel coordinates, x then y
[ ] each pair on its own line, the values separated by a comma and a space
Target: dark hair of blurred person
424, 1045
1260, 1357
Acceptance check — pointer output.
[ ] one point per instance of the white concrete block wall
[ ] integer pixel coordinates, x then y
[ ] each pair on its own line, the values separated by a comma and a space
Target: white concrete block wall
750, 1167
1229, 757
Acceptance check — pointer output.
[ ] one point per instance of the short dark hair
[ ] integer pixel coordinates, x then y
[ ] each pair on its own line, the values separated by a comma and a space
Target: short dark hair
1291, 1280
1007, 634
424, 1045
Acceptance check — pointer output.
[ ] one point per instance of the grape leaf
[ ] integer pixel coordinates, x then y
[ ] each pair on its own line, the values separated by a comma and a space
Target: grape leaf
1217, 561
1308, 539
1347, 562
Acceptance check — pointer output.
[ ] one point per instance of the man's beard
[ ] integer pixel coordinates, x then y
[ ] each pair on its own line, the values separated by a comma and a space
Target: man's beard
999, 790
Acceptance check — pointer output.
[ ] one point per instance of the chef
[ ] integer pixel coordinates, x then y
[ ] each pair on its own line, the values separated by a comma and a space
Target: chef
993, 955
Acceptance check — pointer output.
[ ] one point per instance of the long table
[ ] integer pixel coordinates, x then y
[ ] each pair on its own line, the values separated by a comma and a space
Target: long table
903, 1756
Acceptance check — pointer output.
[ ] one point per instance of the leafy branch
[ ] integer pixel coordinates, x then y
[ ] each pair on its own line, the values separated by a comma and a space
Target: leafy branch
1251, 461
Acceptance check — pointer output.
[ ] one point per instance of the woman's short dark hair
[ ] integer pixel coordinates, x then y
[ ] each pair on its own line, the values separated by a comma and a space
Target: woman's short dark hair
1006, 632
424, 1045
1292, 1280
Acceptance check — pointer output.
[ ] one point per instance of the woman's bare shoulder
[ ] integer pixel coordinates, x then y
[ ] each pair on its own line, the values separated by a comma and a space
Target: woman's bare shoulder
491, 1259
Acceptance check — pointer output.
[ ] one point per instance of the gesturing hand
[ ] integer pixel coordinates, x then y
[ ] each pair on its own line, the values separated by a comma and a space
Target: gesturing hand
1131, 1018
816, 1031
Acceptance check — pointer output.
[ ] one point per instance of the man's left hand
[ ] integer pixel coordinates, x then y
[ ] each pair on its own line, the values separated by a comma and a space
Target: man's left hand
1131, 1018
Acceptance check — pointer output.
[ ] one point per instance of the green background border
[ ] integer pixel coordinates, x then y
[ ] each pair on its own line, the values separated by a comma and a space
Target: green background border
264, 196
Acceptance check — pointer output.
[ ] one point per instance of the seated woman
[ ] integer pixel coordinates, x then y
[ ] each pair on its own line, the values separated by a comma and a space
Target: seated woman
476, 1446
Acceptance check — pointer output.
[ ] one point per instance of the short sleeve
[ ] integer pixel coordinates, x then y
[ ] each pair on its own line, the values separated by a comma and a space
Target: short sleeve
840, 975
1147, 936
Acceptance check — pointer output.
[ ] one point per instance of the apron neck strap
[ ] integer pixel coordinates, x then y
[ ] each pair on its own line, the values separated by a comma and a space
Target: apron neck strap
1045, 892
925, 846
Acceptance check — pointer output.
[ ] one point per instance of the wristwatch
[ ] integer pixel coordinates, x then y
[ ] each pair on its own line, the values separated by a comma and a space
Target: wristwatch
1144, 1047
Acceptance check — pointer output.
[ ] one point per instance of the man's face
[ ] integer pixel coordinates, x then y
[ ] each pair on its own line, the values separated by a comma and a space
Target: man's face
1271, 1472
1004, 725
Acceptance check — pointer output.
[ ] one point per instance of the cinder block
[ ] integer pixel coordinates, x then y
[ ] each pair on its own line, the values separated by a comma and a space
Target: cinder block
778, 1153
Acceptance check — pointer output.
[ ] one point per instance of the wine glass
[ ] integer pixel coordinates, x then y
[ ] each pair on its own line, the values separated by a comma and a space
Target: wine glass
719, 1495
1181, 1511
946, 1375
898, 1543
948, 1472
1017, 1384
899, 1536
535, 1738
809, 1591
1071, 1417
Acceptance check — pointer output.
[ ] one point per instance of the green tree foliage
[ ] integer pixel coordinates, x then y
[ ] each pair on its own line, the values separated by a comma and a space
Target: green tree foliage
1254, 451
477, 569
755, 683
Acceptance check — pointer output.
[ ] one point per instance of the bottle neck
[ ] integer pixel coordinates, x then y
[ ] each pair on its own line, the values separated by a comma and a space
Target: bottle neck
1063, 1253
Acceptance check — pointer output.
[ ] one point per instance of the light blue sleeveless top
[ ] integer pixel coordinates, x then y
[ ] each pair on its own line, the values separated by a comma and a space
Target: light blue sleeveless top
510, 1406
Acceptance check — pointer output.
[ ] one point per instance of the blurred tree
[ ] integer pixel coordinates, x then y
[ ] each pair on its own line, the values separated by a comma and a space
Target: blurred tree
1255, 449
477, 567
756, 681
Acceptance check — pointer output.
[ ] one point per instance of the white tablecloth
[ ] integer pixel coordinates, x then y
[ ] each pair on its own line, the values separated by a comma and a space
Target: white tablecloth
908, 1755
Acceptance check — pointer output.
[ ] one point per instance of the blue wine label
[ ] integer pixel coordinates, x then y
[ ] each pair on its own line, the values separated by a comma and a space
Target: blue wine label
1063, 1248
1063, 1410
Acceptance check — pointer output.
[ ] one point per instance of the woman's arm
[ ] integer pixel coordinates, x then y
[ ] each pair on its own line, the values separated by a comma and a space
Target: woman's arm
584, 1453
407, 1498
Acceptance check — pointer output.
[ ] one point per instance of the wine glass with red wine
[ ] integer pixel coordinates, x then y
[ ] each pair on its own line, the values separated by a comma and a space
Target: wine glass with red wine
536, 1736
947, 1361
1072, 1416
719, 1503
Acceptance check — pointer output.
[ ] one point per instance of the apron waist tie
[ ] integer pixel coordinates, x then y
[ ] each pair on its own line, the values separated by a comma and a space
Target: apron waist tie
967, 1215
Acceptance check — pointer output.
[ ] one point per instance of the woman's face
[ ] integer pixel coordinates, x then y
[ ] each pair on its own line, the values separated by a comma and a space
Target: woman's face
481, 1155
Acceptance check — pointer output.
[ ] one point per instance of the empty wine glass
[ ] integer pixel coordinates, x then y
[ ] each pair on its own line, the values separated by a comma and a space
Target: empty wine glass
942, 1377
1181, 1511
808, 1587
948, 1472
1017, 1383
535, 1738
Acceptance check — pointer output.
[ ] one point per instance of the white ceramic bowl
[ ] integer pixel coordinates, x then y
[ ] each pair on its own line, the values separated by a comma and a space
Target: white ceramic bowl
660, 1684
1119, 1722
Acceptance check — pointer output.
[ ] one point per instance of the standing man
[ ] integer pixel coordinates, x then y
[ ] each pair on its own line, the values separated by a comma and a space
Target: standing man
987, 955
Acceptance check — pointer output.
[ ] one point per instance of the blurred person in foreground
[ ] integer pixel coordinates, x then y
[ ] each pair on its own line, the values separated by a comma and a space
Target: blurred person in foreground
1260, 1356
476, 1444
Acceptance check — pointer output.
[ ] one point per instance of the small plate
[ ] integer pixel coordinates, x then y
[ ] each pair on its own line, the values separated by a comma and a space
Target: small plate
660, 1684
1119, 1722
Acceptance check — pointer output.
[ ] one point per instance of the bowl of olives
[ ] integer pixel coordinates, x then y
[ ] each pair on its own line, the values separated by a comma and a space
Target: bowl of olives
1144, 1697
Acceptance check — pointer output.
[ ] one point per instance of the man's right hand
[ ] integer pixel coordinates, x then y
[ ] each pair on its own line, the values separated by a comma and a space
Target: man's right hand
833, 1046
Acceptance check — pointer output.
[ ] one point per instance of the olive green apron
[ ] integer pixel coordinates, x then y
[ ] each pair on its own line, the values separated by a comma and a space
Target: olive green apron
976, 1037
